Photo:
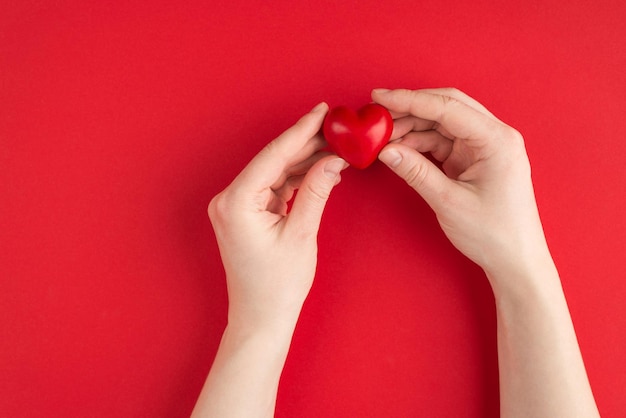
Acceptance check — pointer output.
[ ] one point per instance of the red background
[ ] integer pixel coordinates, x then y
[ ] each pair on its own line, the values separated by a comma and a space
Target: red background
118, 123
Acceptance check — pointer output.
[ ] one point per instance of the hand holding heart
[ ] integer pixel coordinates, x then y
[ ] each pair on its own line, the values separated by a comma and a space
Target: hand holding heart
270, 255
483, 198
484, 201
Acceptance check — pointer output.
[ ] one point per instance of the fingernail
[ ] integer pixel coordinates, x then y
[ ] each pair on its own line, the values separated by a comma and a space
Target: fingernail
319, 107
381, 91
391, 157
334, 167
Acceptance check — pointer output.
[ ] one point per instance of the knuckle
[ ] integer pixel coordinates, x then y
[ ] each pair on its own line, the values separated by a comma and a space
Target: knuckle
513, 135
316, 193
515, 139
276, 149
211, 210
218, 208
515, 154
416, 175
449, 105
449, 100
451, 92
271, 148
411, 93
412, 97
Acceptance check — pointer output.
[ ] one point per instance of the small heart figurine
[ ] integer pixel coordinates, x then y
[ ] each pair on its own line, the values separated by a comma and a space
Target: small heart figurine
358, 137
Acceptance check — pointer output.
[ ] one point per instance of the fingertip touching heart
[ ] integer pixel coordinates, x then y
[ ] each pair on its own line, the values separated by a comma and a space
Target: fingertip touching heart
358, 137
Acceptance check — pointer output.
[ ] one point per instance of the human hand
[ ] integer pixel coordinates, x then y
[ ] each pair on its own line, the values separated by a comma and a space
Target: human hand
270, 255
483, 198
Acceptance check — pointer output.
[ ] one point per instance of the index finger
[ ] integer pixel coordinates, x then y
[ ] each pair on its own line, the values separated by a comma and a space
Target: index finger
462, 97
297, 143
456, 117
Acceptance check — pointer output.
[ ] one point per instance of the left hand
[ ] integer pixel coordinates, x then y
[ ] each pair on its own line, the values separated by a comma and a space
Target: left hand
270, 255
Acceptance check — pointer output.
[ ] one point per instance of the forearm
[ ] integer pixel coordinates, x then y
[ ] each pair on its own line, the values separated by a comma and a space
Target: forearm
243, 380
541, 369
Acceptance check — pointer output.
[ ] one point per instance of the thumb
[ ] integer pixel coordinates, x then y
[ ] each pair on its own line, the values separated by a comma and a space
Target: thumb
419, 172
306, 212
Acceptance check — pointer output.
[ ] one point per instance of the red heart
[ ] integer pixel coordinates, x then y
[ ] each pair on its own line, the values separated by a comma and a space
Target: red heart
358, 137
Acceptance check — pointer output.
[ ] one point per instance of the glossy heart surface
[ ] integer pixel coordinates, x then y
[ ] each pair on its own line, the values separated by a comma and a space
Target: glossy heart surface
358, 137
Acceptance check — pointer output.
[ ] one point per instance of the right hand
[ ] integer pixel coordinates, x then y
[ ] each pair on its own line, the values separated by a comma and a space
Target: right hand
270, 253
483, 198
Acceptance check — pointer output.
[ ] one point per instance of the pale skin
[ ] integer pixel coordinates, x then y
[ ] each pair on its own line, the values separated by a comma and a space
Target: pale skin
485, 204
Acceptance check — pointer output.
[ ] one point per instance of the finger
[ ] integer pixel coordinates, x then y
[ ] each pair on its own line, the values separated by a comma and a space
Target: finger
397, 115
410, 123
312, 146
299, 168
268, 165
406, 124
462, 97
313, 194
279, 197
420, 173
433, 142
446, 91
286, 191
292, 179
456, 117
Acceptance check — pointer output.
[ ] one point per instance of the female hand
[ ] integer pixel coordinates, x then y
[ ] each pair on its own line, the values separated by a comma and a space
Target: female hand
483, 198
270, 255
485, 203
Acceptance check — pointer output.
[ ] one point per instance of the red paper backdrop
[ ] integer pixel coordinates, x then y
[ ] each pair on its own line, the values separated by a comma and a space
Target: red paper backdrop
118, 123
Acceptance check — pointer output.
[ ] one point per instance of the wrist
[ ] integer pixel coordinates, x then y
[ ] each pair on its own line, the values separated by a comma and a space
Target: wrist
268, 343
275, 325
526, 276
